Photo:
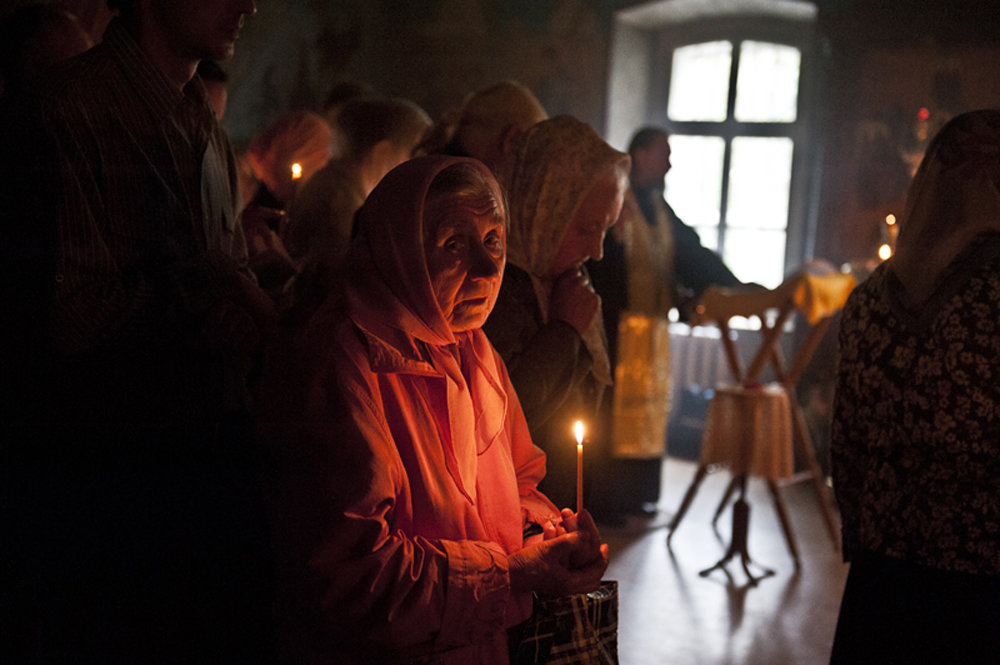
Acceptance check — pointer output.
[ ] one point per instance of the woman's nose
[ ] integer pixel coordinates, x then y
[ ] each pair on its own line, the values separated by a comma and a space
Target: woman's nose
597, 247
484, 264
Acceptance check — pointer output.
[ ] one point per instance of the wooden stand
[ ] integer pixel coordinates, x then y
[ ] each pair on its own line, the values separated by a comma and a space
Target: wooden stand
768, 353
738, 540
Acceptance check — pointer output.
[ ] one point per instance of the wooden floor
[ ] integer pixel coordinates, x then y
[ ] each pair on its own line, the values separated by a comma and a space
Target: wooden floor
670, 615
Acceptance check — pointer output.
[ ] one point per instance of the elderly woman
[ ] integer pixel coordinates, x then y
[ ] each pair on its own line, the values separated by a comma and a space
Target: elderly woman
407, 477
566, 187
916, 430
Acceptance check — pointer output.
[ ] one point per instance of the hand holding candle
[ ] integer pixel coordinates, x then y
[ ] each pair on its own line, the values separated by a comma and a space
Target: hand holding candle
578, 431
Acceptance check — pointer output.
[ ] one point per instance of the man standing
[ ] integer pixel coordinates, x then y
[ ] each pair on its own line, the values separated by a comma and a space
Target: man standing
132, 515
695, 267
652, 262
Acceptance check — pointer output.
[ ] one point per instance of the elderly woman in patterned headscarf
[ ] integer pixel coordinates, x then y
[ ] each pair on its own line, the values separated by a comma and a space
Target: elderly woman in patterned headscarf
407, 473
566, 187
916, 431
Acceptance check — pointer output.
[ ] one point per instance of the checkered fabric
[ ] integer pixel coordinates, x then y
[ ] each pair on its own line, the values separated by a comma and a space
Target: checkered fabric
572, 630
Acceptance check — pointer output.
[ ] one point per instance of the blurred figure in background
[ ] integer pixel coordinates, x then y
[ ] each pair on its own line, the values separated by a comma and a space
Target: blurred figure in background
916, 430
284, 157
487, 124
636, 282
336, 98
296, 137
375, 136
695, 267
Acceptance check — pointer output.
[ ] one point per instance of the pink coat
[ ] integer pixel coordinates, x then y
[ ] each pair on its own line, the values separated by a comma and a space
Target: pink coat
407, 475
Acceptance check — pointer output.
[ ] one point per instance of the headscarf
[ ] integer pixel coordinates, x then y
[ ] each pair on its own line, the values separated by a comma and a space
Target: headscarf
547, 175
388, 285
478, 128
954, 197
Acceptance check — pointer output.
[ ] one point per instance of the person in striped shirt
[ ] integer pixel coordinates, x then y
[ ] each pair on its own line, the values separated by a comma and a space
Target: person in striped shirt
133, 527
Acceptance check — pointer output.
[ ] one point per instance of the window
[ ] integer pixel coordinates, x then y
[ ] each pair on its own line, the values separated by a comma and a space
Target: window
731, 82
733, 170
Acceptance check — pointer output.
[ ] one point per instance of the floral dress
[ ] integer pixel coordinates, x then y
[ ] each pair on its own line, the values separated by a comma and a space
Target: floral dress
916, 432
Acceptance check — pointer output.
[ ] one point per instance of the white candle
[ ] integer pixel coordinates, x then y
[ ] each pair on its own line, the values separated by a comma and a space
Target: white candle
578, 431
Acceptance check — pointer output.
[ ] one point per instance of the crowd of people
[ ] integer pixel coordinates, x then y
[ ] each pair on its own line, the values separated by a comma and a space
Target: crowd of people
313, 403
250, 410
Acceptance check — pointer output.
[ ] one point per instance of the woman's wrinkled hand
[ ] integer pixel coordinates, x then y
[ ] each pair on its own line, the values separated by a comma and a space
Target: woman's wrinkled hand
574, 300
572, 562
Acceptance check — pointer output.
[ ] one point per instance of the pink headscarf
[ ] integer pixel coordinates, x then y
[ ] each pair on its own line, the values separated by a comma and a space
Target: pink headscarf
389, 286
954, 197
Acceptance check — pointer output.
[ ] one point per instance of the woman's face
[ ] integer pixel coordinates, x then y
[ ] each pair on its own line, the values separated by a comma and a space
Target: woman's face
583, 239
466, 247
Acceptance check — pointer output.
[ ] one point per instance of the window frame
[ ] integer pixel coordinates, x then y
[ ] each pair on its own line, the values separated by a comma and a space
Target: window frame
803, 197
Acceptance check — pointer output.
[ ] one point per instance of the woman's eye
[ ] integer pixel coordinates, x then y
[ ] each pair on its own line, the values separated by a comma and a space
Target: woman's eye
453, 243
494, 241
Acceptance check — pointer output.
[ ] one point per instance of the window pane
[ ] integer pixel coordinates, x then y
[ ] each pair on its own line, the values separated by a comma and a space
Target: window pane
759, 179
756, 256
767, 83
694, 182
699, 82
708, 236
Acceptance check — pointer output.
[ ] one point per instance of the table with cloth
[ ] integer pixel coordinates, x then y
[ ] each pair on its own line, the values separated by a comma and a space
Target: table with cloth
752, 427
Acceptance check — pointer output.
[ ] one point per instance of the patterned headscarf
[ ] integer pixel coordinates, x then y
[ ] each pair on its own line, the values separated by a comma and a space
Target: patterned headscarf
547, 175
954, 197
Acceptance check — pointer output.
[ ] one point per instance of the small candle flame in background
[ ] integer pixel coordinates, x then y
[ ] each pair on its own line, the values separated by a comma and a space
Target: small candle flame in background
296, 171
890, 222
889, 233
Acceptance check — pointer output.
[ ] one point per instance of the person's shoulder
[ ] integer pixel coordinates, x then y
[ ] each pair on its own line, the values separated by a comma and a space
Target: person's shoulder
871, 287
76, 79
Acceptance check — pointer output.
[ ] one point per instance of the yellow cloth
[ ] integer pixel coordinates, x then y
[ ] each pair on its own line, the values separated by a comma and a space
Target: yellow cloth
642, 387
751, 430
641, 404
816, 294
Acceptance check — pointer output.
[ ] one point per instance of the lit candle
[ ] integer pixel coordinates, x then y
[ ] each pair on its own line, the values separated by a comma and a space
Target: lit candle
296, 171
884, 252
890, 221
578, 431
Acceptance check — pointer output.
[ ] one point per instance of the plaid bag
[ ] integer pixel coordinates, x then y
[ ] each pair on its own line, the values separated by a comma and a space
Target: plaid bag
571, 630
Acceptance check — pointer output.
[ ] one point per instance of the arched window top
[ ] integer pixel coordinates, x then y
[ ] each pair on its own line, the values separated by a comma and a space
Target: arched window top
671, 12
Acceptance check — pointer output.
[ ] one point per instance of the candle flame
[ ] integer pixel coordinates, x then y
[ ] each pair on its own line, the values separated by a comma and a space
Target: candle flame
578, 431
884, 252
890, 219
296, 171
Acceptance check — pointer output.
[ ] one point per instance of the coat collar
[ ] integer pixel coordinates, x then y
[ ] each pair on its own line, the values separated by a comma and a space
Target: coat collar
392, 352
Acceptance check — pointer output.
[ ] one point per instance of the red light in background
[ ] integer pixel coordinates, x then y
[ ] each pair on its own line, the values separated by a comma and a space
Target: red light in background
923, 114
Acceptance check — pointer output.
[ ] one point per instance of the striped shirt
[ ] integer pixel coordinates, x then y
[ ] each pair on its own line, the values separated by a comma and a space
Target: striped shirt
124, 191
